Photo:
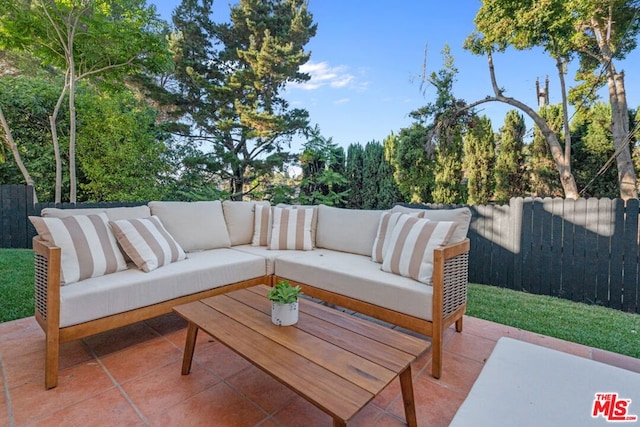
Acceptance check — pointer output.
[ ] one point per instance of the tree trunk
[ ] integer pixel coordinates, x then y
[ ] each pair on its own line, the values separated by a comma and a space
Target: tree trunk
16, 154
53, 118
73, 181
563, 162
620, 132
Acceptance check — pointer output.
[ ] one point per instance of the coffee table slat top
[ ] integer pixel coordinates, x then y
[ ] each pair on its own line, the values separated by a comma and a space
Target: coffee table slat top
335, 368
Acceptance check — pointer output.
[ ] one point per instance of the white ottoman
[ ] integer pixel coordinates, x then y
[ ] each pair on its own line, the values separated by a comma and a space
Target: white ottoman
524, 384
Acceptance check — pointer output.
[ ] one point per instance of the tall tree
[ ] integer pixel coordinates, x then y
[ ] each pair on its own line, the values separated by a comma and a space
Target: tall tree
353, 174
322, 163
231, 76
599, 32
479, 160
445, 122
84, 39
543, 181
510, 163
592, 151
414, 162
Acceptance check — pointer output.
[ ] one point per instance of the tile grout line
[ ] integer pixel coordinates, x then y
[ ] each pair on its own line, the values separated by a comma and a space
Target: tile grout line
117, 384
7, 395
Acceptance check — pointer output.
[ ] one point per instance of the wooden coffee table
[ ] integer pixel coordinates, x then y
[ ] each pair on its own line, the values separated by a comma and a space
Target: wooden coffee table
336, 361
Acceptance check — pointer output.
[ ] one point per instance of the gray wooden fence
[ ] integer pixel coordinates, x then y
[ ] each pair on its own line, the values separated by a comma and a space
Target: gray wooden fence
585, 250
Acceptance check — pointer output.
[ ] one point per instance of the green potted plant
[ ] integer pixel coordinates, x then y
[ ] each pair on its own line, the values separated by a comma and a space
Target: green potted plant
284, 303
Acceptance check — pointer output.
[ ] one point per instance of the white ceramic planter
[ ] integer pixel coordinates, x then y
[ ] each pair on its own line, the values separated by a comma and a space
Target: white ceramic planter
284, 314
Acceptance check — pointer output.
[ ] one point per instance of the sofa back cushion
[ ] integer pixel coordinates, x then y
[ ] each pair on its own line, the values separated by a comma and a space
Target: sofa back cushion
347, 230
239, 217
88, 246
196, 226
410, 249
461, 216
114, 214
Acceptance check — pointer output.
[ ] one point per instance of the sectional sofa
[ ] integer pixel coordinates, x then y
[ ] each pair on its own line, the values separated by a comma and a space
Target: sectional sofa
100, 269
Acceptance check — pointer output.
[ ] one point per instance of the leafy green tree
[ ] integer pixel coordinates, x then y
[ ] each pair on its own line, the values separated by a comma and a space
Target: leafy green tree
542, 168
131, 162
592, 151
479, 160
510, 162
84, 39
414, 163
379, 190
27, 102
353, 173
231, 76
598, 32
445, 122
322, 163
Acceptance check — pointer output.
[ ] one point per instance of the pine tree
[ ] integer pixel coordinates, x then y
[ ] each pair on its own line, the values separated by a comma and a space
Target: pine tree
353, 174
479, 159
510, 163
543, 173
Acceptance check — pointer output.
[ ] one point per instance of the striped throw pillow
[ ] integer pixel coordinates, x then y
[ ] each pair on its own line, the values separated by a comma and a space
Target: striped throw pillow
410, 250
388, 220
261, 225
147, 242
88, 246
291, 229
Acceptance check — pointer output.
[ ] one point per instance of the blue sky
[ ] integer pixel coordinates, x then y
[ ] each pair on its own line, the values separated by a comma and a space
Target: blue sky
367, 56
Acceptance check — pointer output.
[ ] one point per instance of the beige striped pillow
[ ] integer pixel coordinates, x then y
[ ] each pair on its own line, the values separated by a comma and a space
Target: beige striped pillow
261, 225
388, 220
147, 242
410, 250
291, 229
88, 247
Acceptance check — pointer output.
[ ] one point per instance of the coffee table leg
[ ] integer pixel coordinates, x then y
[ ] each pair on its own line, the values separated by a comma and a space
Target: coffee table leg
406, 384
339, 423
189, 347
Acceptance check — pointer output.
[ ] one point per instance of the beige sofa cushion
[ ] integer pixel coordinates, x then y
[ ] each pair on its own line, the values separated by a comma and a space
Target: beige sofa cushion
147, 242
314, 220
262, 226
410, 249
126, 290
291, 229
356, 276
347, 230
239, 217
88, 246
269, 255
461, 216
196, 226
113, 214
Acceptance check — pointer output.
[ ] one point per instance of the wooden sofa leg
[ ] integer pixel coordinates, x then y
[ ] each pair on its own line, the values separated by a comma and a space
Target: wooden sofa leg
436, 354
459, 324
52, 360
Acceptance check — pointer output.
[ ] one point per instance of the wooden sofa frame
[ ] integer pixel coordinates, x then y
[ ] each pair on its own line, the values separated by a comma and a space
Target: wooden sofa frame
450, 278
47, 308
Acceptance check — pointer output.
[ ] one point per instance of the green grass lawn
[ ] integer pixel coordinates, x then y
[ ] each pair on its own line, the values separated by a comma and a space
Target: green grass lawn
590, 325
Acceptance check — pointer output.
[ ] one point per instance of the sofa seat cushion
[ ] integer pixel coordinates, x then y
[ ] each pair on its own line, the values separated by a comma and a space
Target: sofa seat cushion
270, 255
130, 289
358, 277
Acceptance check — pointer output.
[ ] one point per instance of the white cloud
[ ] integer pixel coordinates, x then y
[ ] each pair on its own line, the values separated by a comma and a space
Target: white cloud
322, 74
342, 101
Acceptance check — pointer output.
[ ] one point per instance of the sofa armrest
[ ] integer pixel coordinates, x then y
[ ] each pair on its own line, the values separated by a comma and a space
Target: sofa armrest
47, 282
450, 277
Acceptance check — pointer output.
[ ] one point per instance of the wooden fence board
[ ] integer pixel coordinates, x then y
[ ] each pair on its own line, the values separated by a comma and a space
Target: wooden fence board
546, 238
630, 247
603, 264
517, 208
556, 253
590, 250
617, 258
527, 238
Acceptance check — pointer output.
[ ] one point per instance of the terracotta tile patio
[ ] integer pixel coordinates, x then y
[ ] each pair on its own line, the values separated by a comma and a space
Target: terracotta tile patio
131, 376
